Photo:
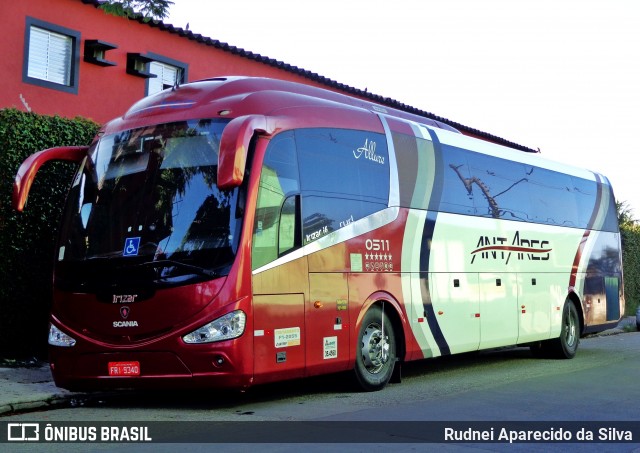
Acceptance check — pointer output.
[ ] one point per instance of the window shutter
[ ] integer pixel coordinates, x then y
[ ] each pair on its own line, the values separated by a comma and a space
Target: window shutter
50, 56
166, 76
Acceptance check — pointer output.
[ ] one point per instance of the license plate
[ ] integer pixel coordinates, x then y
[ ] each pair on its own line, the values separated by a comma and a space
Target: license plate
124, 368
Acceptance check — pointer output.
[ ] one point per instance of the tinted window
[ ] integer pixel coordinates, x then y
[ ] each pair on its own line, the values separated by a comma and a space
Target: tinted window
482, 185
611, 216
476, 184
145, 209
457, 194
500, 187
585, 193
344, 177
275, 218
553, 199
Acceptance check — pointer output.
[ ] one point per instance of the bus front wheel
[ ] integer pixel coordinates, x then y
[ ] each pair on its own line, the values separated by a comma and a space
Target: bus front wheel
376, 353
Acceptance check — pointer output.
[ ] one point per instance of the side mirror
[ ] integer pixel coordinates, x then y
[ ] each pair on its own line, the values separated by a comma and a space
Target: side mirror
27, 171
234, 146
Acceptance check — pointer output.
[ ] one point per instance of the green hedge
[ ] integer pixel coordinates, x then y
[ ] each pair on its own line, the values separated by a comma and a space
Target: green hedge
27, 239
631, 265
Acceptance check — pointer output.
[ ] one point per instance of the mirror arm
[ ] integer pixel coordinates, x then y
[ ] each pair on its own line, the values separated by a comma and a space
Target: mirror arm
27, 171
234, 147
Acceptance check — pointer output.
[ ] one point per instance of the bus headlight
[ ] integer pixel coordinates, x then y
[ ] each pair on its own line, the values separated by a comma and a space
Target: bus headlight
226, 327
58, 338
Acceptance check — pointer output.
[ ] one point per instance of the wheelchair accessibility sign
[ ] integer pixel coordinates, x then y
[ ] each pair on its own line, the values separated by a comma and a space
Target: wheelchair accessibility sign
131, 246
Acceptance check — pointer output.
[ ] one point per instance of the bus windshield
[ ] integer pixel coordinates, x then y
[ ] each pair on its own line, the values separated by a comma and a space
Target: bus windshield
145, 207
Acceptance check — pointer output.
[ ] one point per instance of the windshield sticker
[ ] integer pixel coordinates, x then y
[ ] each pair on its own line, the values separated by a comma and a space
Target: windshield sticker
131, 247
369, 152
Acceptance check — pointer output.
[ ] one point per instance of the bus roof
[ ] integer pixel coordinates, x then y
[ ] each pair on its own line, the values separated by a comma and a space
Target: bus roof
257, 95
236, 96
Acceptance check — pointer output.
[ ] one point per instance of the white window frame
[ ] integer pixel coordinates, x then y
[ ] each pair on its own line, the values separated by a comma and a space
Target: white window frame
51, 56
166, 71
165, 76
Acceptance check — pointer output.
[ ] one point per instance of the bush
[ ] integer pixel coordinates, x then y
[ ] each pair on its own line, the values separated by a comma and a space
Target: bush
27, 239
631, 265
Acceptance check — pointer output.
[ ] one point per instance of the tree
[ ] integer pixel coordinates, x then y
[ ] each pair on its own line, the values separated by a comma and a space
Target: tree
148, 9
625, 214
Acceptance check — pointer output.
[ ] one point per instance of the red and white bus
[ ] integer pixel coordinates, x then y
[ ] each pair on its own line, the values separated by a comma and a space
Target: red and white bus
238, 231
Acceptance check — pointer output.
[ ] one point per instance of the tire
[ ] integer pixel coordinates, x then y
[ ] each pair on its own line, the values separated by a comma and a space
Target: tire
376, 353
566, 346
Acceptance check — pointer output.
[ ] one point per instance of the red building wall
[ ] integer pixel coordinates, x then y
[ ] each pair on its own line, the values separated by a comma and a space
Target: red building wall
106, 92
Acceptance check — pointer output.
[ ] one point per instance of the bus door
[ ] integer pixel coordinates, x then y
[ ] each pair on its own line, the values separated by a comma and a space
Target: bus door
327, 323
538, 294
454, 297
279, 288
278, 321
280, 283
498, 309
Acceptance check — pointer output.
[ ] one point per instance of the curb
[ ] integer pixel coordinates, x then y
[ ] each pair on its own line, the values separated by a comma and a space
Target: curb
31, 406
57, 401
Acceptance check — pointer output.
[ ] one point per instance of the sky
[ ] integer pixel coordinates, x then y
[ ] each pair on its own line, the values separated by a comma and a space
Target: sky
559, 75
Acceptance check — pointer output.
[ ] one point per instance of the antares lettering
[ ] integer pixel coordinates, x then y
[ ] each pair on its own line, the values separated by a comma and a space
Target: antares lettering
502, 248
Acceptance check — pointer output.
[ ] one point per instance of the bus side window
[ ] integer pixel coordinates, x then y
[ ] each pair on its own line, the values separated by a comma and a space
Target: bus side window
289, 234
275, 220
344, 177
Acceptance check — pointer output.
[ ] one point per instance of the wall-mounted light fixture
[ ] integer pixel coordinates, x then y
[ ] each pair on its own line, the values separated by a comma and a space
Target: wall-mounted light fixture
137, 65
95, 51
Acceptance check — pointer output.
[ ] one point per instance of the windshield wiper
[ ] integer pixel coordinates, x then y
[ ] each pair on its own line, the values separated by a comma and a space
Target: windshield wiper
195, 269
